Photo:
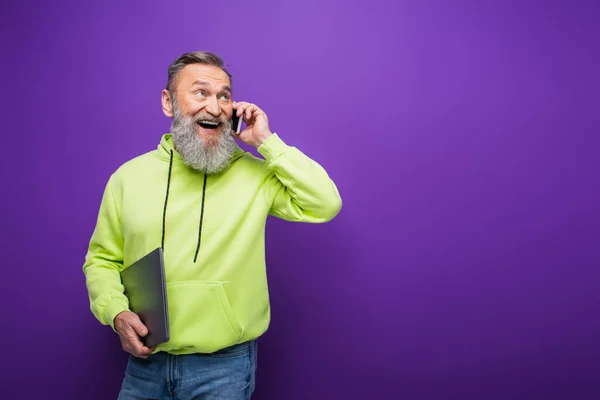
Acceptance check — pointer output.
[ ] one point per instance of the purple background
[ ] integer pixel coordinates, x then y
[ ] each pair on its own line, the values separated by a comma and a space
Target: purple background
463, 137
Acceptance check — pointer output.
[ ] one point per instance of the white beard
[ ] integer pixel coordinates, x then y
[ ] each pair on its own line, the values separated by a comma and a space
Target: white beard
194, 152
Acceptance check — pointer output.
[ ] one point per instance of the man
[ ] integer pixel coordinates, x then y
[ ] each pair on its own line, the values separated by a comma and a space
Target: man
205, 202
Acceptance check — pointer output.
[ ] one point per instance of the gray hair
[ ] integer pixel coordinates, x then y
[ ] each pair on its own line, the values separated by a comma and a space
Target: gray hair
196, 57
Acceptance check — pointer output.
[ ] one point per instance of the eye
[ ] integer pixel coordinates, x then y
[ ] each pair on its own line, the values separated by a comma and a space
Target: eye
225, 96
200, 93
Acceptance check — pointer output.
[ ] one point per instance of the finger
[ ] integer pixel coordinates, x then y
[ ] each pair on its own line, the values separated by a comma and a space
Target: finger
256, 112
239, 107
240, 110
249, 111
247, 116
133, 339
137, 348
242, 107
139, 327
147, 350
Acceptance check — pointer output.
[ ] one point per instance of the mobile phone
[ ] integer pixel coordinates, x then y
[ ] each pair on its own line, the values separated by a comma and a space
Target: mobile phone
237, 123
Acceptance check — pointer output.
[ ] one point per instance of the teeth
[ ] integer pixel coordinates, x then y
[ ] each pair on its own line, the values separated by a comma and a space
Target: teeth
209, 123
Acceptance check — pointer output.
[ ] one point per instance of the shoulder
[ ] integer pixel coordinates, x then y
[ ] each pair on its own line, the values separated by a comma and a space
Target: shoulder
133, 168
248, 163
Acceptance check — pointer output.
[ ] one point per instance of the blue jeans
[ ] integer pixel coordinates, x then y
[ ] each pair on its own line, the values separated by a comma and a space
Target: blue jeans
226, 374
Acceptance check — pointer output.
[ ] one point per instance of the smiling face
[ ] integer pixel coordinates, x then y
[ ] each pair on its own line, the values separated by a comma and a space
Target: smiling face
201, 108
202, 92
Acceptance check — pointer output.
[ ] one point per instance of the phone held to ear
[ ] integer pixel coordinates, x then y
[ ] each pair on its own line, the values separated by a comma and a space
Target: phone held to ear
237, 123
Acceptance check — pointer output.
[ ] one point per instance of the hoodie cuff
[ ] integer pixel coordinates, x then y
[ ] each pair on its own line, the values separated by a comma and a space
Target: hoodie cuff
112, 309
272, 148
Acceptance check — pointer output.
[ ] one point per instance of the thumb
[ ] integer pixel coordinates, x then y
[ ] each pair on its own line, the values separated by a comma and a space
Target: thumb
139, 327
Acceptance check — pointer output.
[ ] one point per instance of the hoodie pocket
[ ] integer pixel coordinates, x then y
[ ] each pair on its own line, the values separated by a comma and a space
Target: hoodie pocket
201, 318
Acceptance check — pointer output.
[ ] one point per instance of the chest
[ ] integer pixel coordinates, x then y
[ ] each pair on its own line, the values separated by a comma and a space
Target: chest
219, 202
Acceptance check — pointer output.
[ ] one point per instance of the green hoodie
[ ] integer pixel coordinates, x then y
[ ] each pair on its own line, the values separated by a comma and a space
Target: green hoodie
211, 228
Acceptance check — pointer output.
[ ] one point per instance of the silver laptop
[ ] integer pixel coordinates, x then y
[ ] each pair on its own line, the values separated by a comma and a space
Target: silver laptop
146, 289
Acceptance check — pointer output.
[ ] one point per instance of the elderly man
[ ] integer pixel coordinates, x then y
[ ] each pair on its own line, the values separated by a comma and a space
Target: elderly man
205, 202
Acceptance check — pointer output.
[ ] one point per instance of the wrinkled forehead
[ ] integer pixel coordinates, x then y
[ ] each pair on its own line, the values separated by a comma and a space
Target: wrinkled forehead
207, 75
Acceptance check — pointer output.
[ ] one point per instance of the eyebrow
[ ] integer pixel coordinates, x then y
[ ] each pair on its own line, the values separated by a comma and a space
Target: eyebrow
225, 88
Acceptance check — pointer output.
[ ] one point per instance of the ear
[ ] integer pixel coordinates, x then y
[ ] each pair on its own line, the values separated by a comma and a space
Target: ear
167, 106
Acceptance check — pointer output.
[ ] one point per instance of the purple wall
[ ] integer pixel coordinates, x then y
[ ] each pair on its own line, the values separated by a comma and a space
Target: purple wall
463, 136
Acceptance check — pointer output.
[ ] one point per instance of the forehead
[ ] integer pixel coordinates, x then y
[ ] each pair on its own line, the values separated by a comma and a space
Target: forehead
210, 74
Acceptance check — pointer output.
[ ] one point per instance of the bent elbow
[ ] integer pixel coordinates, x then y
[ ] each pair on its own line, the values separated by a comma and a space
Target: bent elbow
331, 208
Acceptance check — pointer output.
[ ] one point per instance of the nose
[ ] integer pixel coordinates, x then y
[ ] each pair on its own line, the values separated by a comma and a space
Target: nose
212, 106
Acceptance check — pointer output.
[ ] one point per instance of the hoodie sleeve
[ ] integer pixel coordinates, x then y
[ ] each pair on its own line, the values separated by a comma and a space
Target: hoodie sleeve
104, 261
297, 188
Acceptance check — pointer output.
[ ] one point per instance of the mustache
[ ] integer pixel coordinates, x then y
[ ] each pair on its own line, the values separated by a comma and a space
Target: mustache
208, 117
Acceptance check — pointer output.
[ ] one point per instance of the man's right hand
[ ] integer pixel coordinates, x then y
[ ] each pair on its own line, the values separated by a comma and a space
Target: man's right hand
130, 328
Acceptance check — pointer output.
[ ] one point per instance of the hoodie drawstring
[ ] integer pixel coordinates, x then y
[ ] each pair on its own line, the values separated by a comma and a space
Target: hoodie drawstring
162, 243
165, 209
201, 216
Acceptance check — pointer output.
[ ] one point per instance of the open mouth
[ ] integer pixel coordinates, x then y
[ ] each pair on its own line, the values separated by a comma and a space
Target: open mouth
209, 125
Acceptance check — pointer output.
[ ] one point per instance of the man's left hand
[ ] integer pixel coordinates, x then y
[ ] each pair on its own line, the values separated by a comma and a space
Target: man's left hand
257, 125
